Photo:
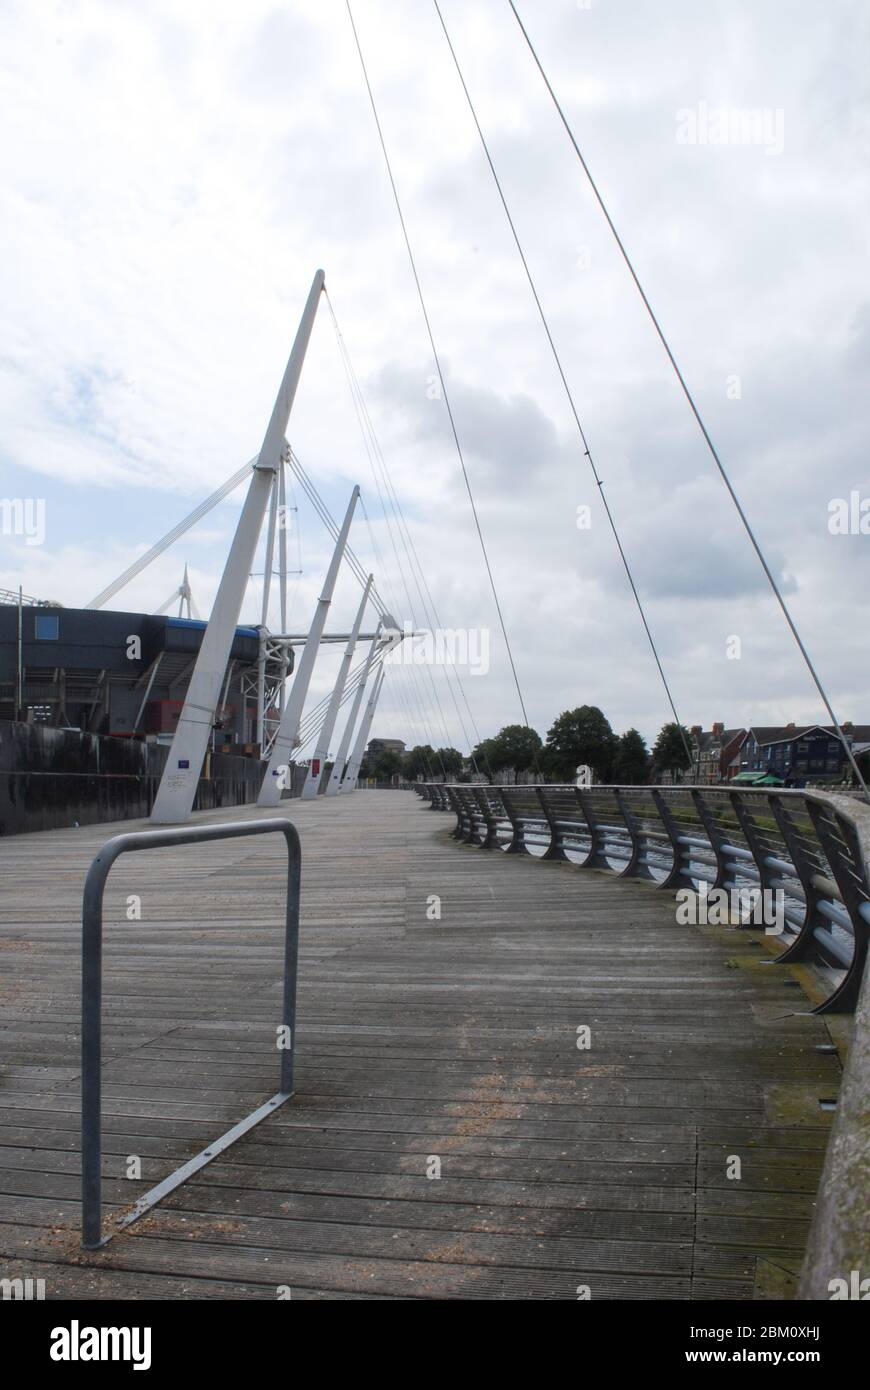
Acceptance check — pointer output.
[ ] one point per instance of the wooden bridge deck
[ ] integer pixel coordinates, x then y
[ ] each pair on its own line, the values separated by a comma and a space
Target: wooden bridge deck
453, 1039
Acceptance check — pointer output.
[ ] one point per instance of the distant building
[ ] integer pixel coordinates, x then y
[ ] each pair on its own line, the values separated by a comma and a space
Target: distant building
804, 752
795, 752
716, 754
385, 745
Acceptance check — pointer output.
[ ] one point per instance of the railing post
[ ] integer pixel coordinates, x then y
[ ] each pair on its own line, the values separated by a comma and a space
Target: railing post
758, 849
715, 836
596, 859
455, 801
675, 878
836, 834
634, 868
802, 946
483, 800
556, 848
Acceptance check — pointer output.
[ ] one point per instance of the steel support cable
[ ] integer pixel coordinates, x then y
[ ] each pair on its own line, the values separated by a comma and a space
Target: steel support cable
404, 581
556, 357
419, 720
431, 612
397, 691
413, 721
693, 407
311, 732
355, 394
323, 512
312, 724
373, 452
332, 527
317, 711
376, 453
370, 440
437, 360
329, 522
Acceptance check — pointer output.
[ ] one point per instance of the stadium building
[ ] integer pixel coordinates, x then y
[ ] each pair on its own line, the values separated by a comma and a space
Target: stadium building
119, 674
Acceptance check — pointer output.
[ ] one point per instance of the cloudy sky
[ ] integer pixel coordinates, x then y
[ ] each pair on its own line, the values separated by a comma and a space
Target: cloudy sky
174, 173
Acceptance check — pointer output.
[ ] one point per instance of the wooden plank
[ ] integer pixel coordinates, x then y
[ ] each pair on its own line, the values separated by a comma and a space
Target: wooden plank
453, 1039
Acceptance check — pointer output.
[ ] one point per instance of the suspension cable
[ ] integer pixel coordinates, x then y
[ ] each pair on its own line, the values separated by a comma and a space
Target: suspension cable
556, 357
350, 557
367, 443
694, 409
438, 368
378, 463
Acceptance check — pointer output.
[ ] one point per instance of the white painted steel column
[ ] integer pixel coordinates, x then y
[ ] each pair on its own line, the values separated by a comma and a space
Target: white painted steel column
264, 613
321, 751
335, 776
183, 766
275, 777
282, 573
349, 783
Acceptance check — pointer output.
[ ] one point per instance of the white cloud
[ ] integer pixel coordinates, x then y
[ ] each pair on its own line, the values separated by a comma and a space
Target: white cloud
170, 179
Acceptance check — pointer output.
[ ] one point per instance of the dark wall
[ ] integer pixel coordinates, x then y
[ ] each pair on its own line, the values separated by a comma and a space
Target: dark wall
50, 778
90, 639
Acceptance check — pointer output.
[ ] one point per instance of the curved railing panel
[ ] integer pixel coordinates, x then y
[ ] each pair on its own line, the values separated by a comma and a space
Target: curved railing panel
795, 854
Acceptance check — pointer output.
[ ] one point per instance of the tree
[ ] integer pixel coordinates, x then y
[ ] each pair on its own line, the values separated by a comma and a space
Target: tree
382, 765
428, 762
516, 747
422, 762
580, 737
451, 760
669, 752
482, 756
631, 760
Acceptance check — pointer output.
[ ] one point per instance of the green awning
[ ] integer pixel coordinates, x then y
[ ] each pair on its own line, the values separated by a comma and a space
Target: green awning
758, 779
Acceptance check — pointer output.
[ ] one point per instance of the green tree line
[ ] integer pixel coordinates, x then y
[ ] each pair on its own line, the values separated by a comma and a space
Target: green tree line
579, 737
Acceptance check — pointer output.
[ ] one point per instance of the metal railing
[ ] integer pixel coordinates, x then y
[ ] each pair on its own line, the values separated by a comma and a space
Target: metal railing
803, 847
92, 987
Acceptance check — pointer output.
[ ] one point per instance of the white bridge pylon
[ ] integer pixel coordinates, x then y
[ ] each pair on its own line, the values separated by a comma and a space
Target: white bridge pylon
333, 786
184, 596
278, 767
178, 784
321, 750
349, 782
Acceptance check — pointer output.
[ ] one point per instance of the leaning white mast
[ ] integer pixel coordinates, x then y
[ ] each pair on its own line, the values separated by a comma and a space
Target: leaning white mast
324, 738
178, 785
274, 779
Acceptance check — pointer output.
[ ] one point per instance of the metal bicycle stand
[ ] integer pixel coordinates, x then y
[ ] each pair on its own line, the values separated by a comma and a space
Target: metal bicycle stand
92, 978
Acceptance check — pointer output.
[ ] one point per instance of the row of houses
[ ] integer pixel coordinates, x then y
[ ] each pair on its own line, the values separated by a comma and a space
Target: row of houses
796, 753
